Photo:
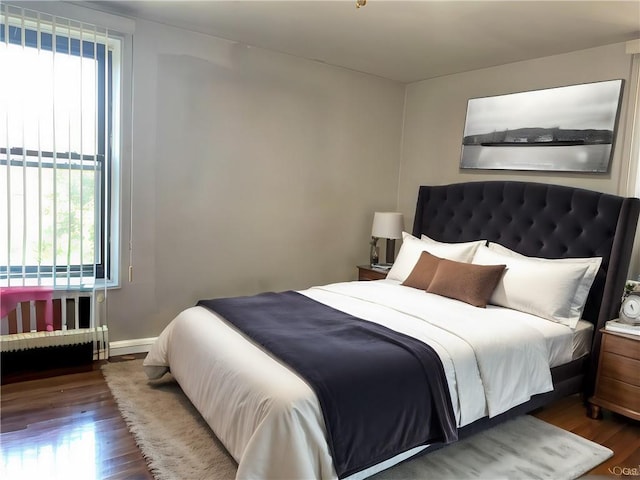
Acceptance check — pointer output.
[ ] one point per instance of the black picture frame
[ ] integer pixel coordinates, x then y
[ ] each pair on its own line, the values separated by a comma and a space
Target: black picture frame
563, 129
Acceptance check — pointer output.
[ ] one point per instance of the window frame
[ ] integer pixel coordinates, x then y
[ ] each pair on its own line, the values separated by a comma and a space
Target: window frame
107, 197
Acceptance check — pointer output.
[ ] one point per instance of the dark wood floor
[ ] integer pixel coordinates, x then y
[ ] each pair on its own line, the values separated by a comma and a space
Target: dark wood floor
68, 426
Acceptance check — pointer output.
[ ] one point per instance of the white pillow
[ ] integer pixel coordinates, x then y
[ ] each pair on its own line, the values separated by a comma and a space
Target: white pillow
412, 247
593, 265
592, 262
553, 289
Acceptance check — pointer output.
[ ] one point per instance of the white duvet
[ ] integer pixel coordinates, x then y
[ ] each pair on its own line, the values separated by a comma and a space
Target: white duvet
269, 419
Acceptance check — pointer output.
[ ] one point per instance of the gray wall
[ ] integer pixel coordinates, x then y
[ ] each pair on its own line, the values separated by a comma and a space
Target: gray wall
252, 171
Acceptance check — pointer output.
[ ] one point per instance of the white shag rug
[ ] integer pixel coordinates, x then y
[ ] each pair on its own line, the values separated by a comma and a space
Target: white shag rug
178, 444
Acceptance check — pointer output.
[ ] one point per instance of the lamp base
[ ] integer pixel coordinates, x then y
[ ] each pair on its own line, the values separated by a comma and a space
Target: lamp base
391, 250
374, 252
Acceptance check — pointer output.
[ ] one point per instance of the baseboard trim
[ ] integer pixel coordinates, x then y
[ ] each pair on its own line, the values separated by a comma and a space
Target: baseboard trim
127, 347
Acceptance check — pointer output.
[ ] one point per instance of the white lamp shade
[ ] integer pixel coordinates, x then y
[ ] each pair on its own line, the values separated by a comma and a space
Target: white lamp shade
387, 225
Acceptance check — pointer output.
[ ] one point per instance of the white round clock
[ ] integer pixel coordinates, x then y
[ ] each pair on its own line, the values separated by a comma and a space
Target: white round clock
630, 309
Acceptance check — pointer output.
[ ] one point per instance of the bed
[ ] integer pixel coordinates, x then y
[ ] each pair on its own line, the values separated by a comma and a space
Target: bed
270, 419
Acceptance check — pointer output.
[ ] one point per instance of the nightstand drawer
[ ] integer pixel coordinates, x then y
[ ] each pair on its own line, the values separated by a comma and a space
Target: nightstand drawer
621, 346
618, 379
621, 368
367, 273
371, 275
618, 393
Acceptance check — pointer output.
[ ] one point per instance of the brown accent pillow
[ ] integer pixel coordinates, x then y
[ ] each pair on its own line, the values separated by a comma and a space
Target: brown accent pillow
423, 272
466, 282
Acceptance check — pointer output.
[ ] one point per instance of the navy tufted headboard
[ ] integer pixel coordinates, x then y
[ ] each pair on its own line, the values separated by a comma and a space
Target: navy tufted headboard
540, 220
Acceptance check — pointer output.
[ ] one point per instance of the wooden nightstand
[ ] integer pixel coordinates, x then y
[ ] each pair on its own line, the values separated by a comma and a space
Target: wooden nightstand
618, 380
366, 272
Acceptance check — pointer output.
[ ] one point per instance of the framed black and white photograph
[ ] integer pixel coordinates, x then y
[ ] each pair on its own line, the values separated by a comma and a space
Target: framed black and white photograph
569, 129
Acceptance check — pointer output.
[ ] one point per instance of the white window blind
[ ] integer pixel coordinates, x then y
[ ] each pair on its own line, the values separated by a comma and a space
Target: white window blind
59, 91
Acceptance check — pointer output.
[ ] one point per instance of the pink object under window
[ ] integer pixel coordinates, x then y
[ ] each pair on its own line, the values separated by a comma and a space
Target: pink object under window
10, 297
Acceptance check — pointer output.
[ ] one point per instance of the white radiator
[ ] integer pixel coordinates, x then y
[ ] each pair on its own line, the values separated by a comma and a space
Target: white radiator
75, 320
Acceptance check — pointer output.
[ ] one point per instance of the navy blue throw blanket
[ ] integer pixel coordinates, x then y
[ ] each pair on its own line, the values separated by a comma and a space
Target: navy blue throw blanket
381, 392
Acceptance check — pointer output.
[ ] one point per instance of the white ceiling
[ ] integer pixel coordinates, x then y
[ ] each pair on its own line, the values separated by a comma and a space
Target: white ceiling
400, 40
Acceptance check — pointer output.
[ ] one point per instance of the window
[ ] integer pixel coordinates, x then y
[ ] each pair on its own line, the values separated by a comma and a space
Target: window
57, 150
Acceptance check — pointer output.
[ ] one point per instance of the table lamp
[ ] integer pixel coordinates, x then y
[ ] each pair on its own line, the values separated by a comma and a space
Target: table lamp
387, 225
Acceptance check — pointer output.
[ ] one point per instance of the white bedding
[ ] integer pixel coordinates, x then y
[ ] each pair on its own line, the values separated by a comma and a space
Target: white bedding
269, 418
